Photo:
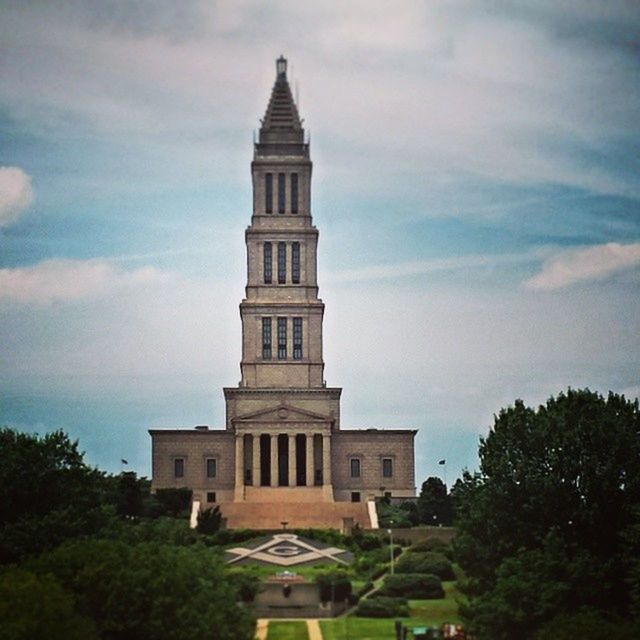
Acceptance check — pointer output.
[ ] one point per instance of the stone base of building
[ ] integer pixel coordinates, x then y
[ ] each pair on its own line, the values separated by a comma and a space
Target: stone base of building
342, 516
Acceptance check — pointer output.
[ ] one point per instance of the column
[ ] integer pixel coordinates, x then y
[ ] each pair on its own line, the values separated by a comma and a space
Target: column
326, 459
274, 459
255, 462
292, 460
310, 471
239, 484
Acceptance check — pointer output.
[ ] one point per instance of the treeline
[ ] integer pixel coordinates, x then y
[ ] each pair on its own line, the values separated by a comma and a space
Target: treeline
89, 555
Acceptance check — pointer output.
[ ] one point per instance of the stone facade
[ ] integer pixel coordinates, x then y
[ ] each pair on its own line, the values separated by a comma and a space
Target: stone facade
282, 443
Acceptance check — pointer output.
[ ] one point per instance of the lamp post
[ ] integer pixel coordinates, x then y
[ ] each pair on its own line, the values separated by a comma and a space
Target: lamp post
390, 532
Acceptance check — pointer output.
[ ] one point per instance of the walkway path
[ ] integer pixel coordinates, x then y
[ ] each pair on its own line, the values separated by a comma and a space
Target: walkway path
262, 629
313, 628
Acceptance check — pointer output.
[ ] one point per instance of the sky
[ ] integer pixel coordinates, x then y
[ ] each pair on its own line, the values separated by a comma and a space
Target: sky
476, 186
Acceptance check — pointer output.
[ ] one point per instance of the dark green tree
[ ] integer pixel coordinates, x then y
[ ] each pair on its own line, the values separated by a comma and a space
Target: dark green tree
434, 503
209, 520
47, 493
33, 606
149, 591
543, 527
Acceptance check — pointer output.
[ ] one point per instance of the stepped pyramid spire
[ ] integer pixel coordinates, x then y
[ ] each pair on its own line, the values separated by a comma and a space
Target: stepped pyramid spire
281, 132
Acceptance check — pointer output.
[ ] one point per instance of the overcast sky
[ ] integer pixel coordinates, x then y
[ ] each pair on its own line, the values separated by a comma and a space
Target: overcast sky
476, 187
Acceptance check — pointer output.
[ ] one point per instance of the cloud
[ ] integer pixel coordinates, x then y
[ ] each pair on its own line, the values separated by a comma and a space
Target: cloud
587, 264
60, 280
15, 194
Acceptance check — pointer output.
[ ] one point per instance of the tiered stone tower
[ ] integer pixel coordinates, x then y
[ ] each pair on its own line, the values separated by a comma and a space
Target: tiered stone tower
282, 412
282, 457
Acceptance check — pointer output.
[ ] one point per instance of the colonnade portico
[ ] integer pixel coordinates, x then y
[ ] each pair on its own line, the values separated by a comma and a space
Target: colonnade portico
282, 458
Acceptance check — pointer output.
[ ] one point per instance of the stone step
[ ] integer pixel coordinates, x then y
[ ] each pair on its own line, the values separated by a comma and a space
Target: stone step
297, 515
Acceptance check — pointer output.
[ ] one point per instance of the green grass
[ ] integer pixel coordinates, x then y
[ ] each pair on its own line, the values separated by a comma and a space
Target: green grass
422, 612
287, 630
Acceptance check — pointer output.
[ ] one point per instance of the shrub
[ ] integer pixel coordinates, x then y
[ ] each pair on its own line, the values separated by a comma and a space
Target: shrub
174, 502
430, 544
426, 562
209, 520
382, 607
413, 585
334, 583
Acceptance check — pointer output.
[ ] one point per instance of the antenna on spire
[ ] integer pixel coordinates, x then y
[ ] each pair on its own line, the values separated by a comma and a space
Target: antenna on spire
297, 97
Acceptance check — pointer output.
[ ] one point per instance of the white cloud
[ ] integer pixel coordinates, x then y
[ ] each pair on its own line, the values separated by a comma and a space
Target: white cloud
71, 280
16, 194
587, 264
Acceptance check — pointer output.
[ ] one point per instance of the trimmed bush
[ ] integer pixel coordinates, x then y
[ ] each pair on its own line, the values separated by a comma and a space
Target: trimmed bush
430, 544
383, 607
426, 562
413, 585
336, 584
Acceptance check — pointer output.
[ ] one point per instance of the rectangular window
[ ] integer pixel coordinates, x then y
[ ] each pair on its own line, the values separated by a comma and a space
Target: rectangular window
282, 262
282, 338
297, 338
268, 193
295, 263
266, 338
387, 468
355, 467
178, 467
281, 199
211, 496
355, 496
211, 468
294, 193
267, 262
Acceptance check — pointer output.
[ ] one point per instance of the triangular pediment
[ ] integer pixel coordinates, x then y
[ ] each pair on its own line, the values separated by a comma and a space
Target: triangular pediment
283, 413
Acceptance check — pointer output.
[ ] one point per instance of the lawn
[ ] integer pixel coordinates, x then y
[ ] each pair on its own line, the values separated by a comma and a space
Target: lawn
287, 630
423, 612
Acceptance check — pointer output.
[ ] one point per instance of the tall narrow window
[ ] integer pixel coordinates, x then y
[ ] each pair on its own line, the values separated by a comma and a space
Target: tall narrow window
178, 467
297, 338
282, 262
267, 262
281, 199
354, 463
387, 468
211, 468
295, 263
282, 338
268, 193
266, 338
294, 193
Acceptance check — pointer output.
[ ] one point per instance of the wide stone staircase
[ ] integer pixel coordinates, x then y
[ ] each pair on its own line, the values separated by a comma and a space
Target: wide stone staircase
296, 515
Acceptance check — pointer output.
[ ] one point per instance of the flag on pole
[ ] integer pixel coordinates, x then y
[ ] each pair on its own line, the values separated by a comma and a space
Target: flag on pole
442, 462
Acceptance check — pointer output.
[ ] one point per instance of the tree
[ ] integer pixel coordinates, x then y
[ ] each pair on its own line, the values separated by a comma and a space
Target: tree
434, 503
546, 518
149, 591
47, 493
33, 606
209, 520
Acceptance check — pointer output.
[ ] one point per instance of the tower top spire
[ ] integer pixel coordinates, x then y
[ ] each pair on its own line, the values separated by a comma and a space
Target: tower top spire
281, 68
281, 131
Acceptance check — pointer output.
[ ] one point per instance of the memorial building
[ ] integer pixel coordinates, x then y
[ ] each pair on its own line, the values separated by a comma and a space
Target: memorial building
283, 456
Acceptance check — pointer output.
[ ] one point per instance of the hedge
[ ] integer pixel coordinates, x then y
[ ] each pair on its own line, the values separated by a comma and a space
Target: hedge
413, 585
426, 562
383, 607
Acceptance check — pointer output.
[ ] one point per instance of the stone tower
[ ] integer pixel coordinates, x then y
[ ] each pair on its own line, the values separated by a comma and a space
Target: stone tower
283, 456
282, 412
